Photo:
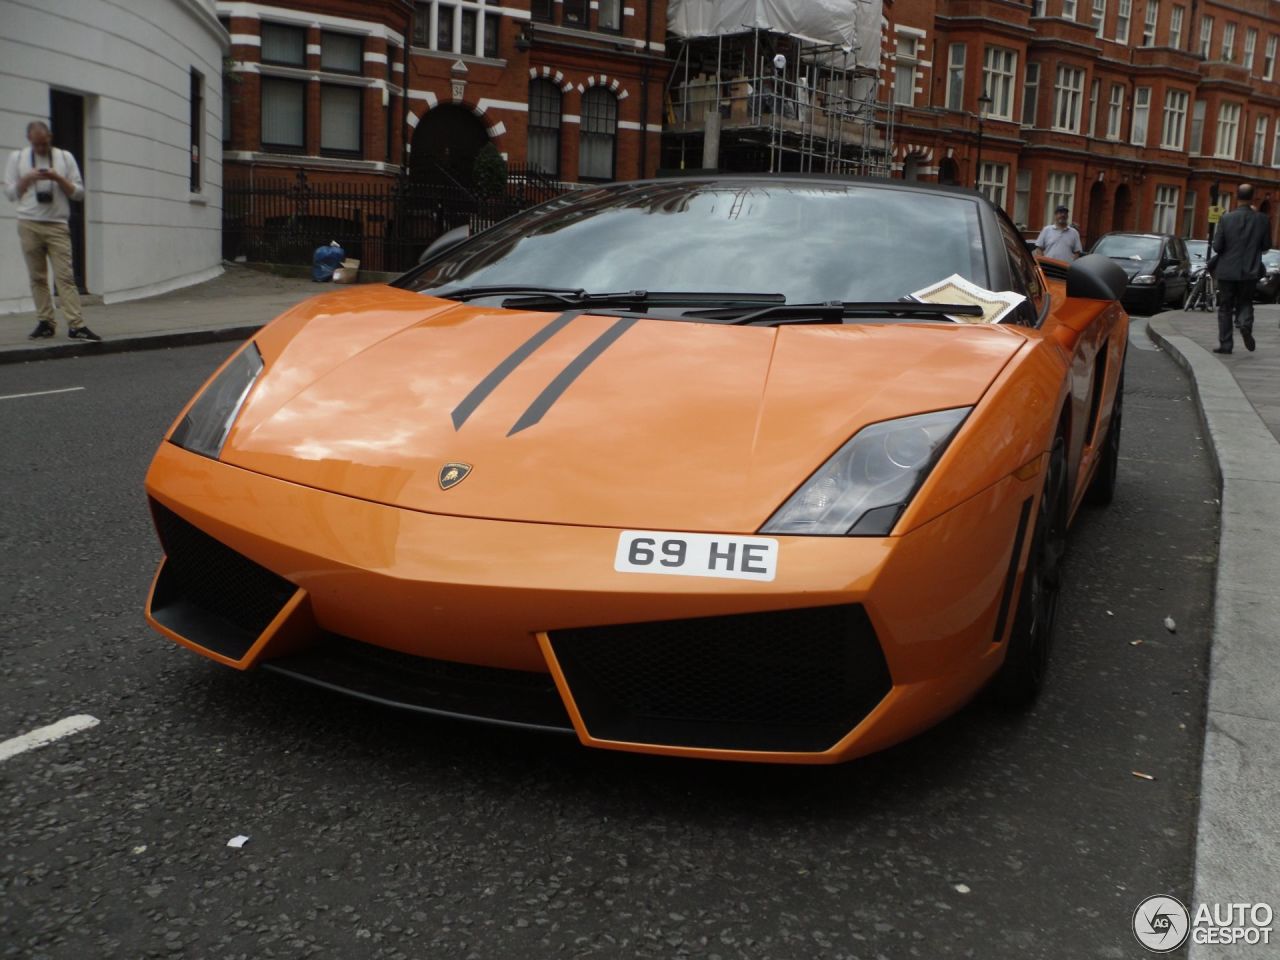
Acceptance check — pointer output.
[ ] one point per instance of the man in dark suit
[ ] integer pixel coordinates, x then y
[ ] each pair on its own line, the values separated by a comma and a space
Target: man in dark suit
1241, 237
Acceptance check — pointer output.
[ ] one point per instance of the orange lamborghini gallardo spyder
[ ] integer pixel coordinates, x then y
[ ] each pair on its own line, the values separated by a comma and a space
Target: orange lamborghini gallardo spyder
753, 468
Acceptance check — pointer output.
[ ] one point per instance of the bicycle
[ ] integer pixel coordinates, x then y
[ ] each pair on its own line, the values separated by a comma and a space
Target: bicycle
1203, 294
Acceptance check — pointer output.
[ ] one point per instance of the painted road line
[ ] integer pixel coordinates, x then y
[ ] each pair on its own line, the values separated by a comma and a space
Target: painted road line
46, 735
42, 393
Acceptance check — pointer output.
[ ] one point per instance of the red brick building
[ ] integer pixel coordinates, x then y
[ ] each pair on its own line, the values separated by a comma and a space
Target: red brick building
1134, 113
366, 89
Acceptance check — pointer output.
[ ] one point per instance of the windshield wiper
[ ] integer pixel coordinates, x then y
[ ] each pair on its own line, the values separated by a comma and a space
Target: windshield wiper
464, 294
832, 310
636, 299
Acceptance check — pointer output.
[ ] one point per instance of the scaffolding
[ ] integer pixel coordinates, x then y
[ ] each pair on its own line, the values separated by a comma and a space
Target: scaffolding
778, 102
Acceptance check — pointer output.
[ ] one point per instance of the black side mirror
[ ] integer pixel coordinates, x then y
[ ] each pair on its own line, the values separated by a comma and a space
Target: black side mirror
1095, 277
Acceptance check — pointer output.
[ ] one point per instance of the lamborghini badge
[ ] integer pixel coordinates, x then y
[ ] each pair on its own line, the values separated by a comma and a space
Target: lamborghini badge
452, 474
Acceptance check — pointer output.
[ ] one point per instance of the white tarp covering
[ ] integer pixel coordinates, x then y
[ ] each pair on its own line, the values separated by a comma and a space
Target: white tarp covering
855, 23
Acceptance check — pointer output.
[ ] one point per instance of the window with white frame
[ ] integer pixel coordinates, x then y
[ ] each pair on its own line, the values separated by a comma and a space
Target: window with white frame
1149, 24
1098, 17
1141, 114
1275, 146
468, 27
1067, 92
1175, 26
1115, 111
998, 70
1250, 46
1189, 213
1124, 12
283, 44
1228, 131
1175, 119
544, 126
341, 53
340, 119
1259, 140
1030, 94
1095, 92
1037, 8
1269, 58
904, 72
574, 13
1022, 198
1164, 218
1206, 36
1228, 42
283, 114
955, 76
1069, 9
993, 179
1060, 192
196, 146
598, 133
609, 16
1197, 128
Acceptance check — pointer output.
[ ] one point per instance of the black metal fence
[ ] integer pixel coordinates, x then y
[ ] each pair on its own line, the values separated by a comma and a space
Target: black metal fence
385, 225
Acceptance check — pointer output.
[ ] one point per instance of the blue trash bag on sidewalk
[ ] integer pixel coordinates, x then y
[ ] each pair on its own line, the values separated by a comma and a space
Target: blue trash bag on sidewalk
325, 260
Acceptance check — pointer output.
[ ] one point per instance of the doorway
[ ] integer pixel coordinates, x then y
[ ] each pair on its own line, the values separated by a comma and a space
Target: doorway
1121, 207
66, 119
1097, 203
445, 145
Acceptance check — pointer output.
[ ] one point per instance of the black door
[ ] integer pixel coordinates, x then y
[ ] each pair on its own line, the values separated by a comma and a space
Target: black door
66, 117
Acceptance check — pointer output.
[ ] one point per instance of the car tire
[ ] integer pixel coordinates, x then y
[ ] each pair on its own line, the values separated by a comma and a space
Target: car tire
1021, 676
1102, 488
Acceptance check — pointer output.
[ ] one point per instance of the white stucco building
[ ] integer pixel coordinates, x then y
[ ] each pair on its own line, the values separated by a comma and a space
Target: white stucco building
134, 90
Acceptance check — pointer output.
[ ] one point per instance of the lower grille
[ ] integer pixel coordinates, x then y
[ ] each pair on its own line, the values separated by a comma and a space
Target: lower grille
788, 681
509, 697
210, 594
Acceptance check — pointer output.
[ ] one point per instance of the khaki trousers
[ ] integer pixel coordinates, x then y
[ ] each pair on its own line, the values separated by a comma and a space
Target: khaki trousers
43, 241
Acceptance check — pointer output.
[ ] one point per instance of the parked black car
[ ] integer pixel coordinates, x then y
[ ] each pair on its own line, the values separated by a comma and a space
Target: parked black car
1269, 286
1158, 266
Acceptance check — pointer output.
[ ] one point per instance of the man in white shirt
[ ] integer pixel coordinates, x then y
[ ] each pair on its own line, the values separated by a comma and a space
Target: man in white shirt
42, 180
1060, 240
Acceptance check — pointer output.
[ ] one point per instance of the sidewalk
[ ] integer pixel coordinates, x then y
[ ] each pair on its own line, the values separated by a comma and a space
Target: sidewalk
1238, 843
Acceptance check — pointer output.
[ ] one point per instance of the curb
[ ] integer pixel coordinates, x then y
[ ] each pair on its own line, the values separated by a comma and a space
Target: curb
1237, 849
127, 343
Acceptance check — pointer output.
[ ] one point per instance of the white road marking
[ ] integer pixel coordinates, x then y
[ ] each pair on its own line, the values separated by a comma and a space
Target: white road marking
42, 393
46, 735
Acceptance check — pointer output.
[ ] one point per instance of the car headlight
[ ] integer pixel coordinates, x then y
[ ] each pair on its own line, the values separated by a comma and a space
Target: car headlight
863, 488
1144, 279
205, 427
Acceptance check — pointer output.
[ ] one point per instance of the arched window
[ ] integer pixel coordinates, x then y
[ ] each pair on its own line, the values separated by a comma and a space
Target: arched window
544, 126
598, 135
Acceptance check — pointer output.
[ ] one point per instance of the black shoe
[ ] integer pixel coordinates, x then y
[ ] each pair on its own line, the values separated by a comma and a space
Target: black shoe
1249, 342
43, 330
81, 333
1221, 350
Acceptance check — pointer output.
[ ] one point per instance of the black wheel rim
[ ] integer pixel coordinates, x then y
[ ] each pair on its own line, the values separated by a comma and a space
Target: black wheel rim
1046, 570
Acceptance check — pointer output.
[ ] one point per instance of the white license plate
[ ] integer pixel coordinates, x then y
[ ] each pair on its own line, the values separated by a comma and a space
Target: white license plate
696, 555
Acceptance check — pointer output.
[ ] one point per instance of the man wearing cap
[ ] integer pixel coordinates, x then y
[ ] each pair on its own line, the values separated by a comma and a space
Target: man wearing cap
1060, 240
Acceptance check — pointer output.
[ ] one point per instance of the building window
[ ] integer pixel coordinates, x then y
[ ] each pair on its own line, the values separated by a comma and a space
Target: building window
1022, 199
1189, 214
1067, 92
491, 22
575, 13
1115, 112
1228, 131
283, 114
341, 53
1030, 94
284, 45
1037, 8
609, 16
1095, 92
1269, 59
1206, 36
904, 72
993, 178
1229, 43
541, 10
445, 30
1149, 24
998, 71
1061, 191
340, 119
598, 133
1164, 217
1175, 27
955, 77
469, 28
1250, 45
227, 94
1141, 113
197, 127
1275, 147
1175, 119
1124, 12
1069, 9
1197, 128
1259, 140
1099, 16
544, 127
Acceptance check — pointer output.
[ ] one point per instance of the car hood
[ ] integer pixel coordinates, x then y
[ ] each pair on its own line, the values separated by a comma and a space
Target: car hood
1134, 267
581, 419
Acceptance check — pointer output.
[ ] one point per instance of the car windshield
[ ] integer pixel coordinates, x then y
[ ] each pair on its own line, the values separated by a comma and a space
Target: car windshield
809, 242
1198, 249
1127, 246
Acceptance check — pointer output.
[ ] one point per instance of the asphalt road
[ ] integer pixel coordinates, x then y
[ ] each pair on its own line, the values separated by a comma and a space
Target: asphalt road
376, 834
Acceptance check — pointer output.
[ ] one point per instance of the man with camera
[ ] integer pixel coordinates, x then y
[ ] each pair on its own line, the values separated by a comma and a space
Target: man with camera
42, 180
